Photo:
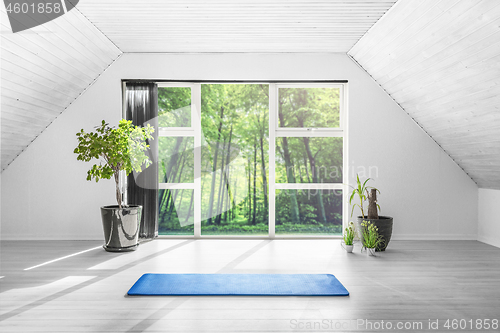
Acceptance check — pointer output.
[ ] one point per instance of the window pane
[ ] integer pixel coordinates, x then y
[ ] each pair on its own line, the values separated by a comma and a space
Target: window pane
309, 107
309, 160
174, 107
235, 159
176, 212
309, 212
176, 159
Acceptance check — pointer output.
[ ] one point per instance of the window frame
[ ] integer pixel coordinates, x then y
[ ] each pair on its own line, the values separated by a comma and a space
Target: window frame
340, 131
274, 132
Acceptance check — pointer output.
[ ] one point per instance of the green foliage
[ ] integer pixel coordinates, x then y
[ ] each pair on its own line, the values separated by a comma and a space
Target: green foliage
258, 229
309, 107
360, 191
349, 234
123, 148
235, 127
174, 107
369, 235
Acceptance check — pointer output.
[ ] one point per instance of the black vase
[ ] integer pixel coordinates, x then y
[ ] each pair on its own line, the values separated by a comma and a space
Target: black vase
384, 225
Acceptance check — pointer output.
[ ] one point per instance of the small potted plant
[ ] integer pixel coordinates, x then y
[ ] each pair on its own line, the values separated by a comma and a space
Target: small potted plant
118, 149
348, 236
371, 238
383, 223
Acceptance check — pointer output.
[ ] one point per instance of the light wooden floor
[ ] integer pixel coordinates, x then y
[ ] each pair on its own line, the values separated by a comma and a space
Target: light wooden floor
411, 283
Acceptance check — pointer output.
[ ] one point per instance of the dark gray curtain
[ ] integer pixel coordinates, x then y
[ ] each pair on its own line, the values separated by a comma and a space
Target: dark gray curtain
142, 189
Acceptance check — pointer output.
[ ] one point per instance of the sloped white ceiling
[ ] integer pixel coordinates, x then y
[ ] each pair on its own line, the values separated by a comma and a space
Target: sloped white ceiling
234, 25
440, 60
44, 70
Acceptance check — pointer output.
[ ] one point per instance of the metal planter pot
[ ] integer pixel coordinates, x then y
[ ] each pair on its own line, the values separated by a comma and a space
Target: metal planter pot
384, 225
121, 227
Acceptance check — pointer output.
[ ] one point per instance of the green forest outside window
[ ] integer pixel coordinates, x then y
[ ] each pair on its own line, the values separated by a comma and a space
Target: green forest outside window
251, 159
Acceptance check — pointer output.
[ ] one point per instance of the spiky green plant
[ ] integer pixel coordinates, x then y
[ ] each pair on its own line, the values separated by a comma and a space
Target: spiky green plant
369, 234
360, 191
349, 234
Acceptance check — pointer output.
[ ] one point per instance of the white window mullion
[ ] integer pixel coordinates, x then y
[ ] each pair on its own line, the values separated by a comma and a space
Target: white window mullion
176, 186
345, 154
196, 124
273, 114
312, 133
175, 132
308, 186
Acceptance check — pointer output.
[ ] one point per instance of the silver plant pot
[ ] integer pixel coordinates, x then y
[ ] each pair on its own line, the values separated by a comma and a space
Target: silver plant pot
121, 227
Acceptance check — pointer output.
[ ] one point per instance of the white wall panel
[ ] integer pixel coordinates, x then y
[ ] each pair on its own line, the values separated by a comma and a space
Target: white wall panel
428, 195
489, 220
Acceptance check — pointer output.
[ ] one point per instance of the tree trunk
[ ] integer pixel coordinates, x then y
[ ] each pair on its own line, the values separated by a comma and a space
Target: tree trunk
118, 192
214, 168
249, 190
289, 174
189, 211
372, 204
220, 197
309, 180
254, 182
312, 162
264, 177
226, 189
173, 160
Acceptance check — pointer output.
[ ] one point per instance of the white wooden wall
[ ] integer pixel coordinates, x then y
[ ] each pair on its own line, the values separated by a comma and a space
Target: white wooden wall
44, 70
440, 60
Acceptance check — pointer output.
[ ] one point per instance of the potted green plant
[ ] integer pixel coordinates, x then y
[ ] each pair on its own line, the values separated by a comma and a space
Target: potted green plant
370, 236
348, 237
121, 148
383, 223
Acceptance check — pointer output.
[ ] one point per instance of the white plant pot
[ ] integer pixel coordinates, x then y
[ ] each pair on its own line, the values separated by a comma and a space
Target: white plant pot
371, 252
349, 248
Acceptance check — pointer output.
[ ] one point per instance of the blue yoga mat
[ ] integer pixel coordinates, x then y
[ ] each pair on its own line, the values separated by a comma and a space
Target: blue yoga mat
238, 284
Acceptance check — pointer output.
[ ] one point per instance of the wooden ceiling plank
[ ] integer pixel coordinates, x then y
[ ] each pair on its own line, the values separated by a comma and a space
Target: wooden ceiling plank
14, 105
31, 83
430, 61
458, 22
381, 37
444, 97
42, 59
21, 92
101, 41
471, 59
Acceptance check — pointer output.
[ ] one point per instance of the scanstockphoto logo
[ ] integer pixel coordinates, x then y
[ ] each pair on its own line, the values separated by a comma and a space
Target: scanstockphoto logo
27, 14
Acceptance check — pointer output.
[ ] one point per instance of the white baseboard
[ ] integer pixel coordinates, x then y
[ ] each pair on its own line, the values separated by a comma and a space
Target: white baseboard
400, 237
489, 241
60, 238
433, 237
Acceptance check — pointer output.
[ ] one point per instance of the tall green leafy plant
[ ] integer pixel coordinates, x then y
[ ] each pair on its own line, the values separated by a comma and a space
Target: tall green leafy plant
361, 190
118, 148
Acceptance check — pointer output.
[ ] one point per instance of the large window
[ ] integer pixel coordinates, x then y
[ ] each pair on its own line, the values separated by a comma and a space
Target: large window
251, 159
308, 136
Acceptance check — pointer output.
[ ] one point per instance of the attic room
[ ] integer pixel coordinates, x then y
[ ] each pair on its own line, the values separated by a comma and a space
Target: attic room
266, 116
